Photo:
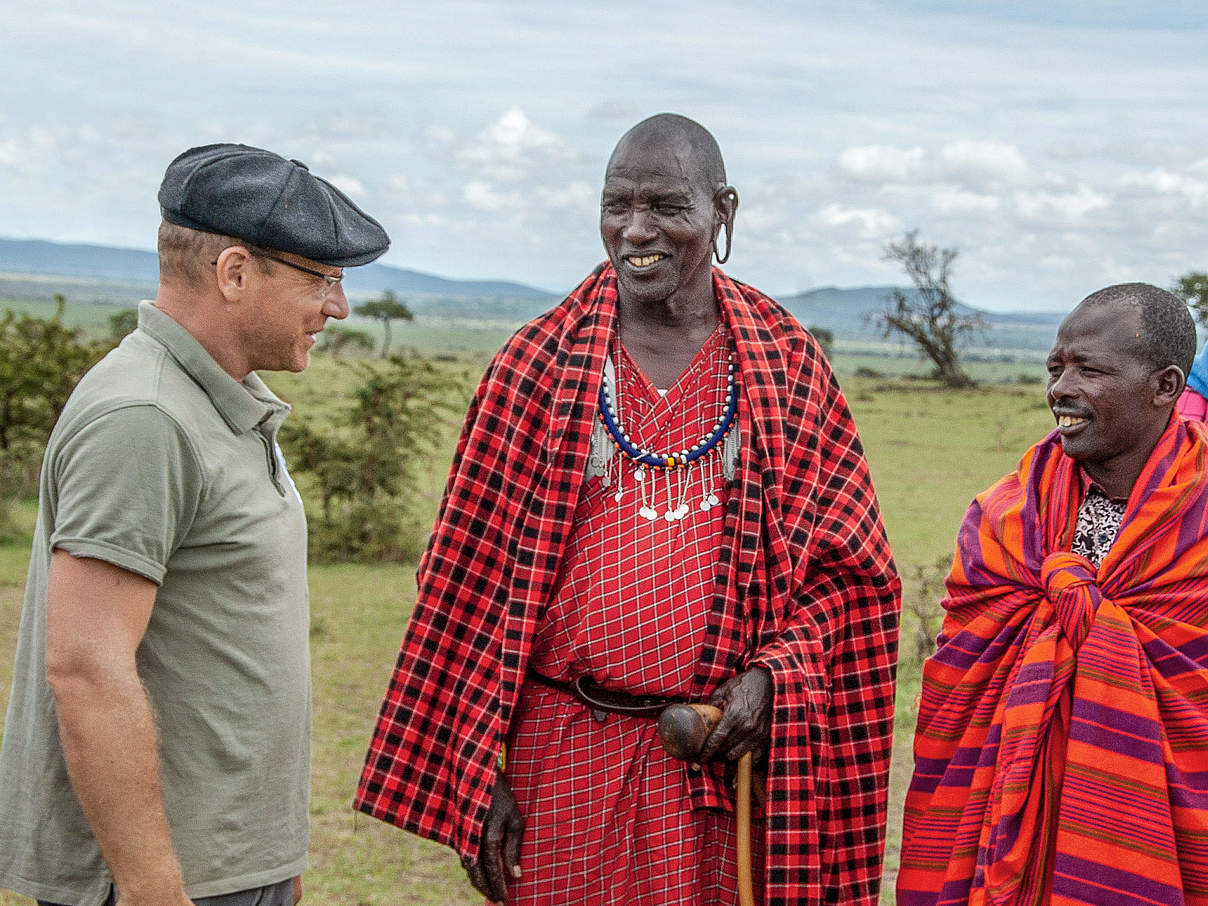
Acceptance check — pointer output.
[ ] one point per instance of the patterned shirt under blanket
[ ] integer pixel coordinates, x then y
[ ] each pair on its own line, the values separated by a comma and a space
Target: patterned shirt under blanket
1099, 519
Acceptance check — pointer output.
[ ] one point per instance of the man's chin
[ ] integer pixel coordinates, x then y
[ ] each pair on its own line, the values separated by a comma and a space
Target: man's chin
1075, 449
643, 292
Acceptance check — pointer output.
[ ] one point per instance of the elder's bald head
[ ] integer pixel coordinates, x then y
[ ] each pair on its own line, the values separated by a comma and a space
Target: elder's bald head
700, 153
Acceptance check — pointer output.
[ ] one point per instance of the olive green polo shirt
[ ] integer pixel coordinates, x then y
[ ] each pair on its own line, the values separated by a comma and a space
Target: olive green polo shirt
165, 466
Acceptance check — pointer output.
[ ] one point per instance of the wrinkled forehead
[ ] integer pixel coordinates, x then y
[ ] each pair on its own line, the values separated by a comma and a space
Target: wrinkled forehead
668, 161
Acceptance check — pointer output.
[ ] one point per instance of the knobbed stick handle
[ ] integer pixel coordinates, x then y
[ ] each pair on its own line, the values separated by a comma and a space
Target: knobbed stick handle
684, 728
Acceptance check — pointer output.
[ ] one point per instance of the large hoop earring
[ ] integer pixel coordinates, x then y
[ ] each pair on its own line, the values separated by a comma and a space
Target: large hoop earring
722, 259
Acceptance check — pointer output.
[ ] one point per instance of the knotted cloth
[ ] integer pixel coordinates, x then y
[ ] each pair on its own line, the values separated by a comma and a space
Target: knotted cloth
1061, 754
805, 587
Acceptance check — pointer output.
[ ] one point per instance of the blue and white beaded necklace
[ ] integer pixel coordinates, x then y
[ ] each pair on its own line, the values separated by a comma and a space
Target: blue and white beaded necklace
676, 467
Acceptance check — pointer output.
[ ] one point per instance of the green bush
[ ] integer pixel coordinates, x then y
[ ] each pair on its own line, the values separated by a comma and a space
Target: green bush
365, 463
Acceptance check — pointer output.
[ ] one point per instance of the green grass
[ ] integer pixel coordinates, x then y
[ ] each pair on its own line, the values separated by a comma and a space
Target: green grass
88, 315
930, 452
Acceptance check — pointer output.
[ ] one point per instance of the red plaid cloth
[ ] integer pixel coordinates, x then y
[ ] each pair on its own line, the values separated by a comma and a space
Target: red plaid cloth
608, 813
609, 817
635, 599
805, 587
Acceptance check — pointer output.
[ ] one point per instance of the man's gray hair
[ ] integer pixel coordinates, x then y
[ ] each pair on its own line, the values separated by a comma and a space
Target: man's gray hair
185, 254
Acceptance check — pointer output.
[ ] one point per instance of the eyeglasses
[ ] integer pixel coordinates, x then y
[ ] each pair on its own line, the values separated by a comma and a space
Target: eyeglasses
329, 282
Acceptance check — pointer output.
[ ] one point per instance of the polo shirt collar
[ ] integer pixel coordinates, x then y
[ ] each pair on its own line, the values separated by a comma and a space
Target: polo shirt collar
243, 405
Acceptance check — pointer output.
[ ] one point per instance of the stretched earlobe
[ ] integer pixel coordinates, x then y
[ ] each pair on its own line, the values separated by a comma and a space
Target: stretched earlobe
722, 259
725, 203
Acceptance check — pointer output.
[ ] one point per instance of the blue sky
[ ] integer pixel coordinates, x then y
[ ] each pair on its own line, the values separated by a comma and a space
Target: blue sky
1060, 146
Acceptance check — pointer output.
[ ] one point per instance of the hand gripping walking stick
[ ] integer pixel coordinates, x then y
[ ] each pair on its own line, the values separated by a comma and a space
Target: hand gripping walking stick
683, 730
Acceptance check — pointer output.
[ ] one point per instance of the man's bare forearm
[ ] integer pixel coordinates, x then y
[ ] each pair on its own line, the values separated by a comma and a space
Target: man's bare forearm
111, 748
96, 616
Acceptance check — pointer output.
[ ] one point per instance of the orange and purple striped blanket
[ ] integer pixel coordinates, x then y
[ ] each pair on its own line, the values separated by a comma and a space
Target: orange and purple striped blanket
1061, 754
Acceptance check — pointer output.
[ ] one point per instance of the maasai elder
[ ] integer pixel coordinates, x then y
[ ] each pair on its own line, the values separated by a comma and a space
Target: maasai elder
1062, 745
744, 564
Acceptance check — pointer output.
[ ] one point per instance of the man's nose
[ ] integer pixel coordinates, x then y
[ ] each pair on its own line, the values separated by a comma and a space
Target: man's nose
639, 229
336, 303
1063, 387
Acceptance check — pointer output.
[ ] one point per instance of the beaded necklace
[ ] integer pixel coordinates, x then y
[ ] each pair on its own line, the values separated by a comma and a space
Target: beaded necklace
676, 467
684, 458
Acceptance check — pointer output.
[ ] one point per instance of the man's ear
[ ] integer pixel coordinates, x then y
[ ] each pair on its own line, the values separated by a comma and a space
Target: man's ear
1168, 386
232, 270
725, 202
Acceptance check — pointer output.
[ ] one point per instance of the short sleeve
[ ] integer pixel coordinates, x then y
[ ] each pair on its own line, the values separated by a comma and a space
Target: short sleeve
127, 486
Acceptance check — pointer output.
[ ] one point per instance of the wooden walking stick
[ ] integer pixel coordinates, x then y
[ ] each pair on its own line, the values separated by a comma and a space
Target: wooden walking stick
683, 730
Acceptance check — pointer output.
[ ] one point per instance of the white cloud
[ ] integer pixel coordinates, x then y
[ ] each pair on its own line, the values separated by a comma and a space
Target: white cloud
40, 139
958, 202
512, 145
424, 220
398, 183
990, 161
483, 197
34, 144
866, 223
577, 194
759, 217
1057, 263
883, 164
1060, 208
1166, 182
349, 185
613, 109
439, 135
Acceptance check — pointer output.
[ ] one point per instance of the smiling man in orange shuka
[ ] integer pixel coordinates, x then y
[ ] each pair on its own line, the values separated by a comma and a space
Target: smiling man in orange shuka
1062, 746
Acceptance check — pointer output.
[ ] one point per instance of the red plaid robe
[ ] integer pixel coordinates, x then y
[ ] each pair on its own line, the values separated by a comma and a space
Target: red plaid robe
806, 587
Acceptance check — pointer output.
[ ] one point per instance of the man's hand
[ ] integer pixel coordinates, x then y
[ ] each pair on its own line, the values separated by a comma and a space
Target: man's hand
297, 889
499, 854
746, 719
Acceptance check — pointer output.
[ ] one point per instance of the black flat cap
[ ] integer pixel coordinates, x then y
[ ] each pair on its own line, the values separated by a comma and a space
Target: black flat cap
268, 201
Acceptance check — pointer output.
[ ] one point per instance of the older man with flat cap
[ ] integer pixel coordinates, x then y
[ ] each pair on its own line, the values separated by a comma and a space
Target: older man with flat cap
659, 497
156, 748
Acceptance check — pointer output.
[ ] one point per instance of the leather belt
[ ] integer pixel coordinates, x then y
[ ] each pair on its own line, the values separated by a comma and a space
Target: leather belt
602, 702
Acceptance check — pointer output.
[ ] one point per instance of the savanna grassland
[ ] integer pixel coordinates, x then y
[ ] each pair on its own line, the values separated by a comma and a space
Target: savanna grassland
930, 452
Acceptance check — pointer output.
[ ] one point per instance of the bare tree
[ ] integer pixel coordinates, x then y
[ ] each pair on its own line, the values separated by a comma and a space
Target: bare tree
929, 316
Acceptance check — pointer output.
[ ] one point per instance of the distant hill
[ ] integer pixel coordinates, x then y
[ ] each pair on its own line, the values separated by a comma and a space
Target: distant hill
138, 267
90, 273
